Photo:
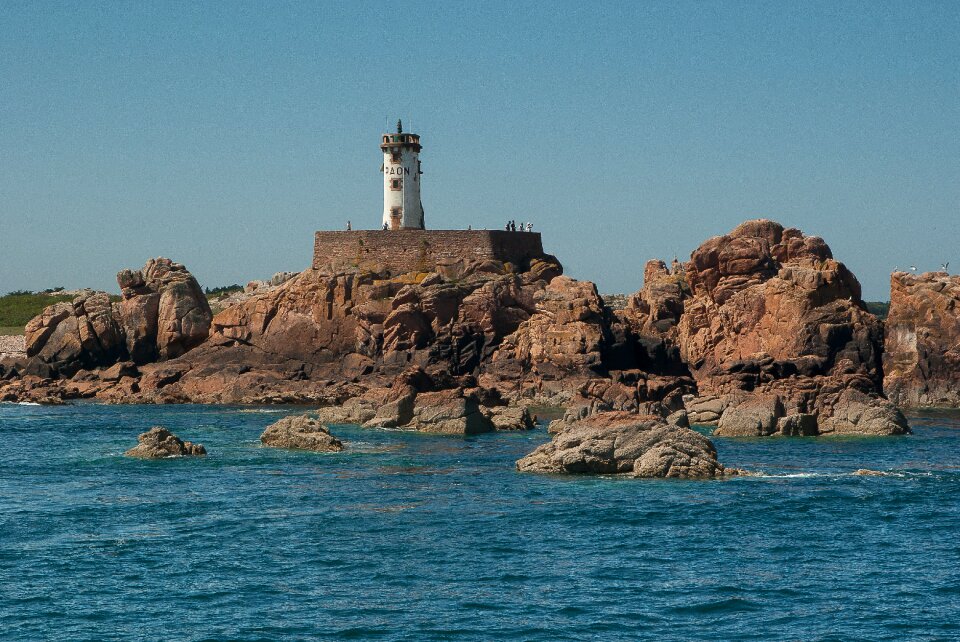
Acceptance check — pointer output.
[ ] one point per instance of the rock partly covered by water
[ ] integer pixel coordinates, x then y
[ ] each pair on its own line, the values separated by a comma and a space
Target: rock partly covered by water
628, 444
158, 443
416, 401
856, 413
300, 432
449, 412
852, 413
510, 417
921, 362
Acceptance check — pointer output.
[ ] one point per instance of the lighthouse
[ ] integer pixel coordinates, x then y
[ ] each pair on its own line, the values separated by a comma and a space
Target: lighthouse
402, 209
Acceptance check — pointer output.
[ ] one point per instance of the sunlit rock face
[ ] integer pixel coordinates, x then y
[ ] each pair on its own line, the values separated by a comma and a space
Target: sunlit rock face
921, 360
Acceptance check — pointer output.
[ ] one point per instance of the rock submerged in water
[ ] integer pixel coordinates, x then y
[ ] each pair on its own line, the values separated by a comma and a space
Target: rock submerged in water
160, 443
627, 444
301, 432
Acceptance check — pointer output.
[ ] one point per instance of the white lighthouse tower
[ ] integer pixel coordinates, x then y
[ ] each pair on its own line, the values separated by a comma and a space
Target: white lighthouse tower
402, 209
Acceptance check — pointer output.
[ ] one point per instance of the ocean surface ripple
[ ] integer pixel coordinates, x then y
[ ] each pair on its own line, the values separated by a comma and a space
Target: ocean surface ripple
406, 536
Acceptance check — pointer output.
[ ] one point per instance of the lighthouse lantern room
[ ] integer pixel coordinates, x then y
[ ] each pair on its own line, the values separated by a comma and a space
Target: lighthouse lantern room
402, 209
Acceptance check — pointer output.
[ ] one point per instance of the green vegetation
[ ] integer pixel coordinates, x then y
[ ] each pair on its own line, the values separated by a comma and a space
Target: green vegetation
879, 308
223, 290
20, 306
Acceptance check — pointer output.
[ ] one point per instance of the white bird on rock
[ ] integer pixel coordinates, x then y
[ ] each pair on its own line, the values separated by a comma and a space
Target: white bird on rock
913, 268
944, 266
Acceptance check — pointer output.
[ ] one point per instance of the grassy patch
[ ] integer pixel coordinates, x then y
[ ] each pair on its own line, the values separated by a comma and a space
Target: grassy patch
545, 412
222, 291
17, 308
879, 308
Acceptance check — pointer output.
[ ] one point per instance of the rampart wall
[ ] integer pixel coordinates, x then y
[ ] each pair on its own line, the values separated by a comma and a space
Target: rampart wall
400, 251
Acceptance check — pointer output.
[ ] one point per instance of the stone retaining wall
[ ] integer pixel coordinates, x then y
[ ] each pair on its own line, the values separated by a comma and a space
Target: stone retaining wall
400, 251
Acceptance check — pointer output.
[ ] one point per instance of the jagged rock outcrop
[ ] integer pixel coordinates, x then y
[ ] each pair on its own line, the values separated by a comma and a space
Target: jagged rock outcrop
921, 362
763, 312
566, 335
626, 444
319, 318
570, 338
164, 312
71, 336
320, 329
772, 313
768, 303
656, 309
300, 432
159, 443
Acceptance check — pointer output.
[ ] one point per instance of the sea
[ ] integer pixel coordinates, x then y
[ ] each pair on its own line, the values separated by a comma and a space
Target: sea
408, 536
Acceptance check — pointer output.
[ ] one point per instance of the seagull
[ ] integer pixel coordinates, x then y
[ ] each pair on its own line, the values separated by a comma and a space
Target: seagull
944, 266
913, 268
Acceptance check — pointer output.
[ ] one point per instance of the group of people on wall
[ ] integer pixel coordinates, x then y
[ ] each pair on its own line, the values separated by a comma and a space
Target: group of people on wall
522, 227
511, 226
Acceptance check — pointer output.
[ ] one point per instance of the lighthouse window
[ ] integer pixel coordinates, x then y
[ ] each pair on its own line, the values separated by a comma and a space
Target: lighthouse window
396, 183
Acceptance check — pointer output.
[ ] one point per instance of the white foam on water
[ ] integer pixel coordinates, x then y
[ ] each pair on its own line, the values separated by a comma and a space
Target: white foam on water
759, 474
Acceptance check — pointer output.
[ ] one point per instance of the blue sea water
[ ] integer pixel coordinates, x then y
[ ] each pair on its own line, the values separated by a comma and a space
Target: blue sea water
407, 536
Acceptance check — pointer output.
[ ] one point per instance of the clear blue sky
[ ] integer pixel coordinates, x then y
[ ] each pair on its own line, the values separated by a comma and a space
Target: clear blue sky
222, 134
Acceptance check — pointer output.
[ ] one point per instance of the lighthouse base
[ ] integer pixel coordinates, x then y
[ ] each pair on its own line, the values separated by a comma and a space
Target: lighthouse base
401, 251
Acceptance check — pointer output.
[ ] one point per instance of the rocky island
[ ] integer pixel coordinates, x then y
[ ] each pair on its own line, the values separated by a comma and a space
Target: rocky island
762, 332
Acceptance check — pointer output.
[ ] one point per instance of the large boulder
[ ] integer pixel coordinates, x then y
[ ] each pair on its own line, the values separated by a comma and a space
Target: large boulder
164, 312
921, 362
626, 444
449, 412
756, 417
71, 336
769, 303
510, 417
772, 313
856, 413
565, 334
657, 307
762, 416
160, 443
300, 432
